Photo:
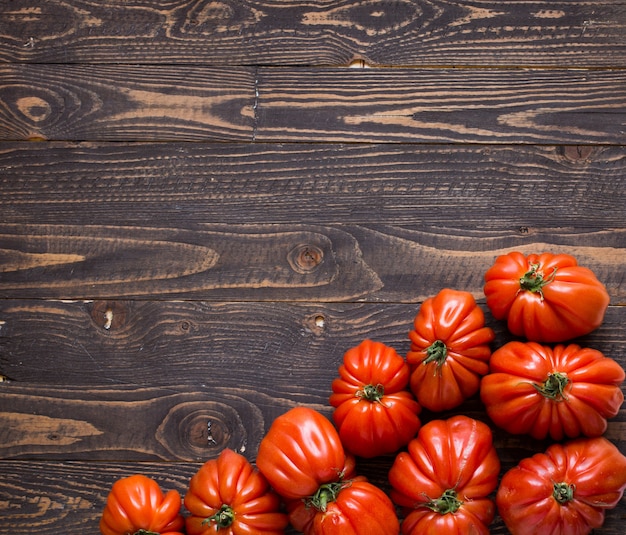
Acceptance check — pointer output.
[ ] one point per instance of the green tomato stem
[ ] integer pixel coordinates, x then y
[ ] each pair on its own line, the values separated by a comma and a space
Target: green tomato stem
372, 393
534, 280
554, 386
437, 352
448, 502
563, 492
325, 494
223, 518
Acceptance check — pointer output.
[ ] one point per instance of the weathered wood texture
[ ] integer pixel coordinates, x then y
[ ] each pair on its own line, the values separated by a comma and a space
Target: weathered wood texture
319, 32
297, 223
264, 104
219, 208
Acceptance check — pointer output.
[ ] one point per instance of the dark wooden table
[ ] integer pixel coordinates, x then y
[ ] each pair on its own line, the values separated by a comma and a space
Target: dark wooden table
205, 204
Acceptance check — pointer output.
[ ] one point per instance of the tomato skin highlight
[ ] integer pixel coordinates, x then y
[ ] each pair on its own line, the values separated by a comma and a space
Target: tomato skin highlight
444, 480
449, 350
563, 491
136, 504
563, 391
301, 451
229, 496
545, 297
374, 411
360, 508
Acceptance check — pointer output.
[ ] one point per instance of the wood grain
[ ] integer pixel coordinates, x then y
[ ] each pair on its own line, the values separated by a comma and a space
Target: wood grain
436, 188
295, 263
435, 106
286, 350
383, 32
132, 424
185, 103
126, 102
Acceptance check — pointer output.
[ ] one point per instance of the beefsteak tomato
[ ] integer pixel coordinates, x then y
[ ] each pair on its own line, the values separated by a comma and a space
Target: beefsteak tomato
564, 491
227, 495
137, 506
352, 507
301, 451
545, 297
444, 480
374, 411
449, 350
565, 391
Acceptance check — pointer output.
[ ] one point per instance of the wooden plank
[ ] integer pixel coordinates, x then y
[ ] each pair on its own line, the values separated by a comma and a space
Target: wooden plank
296, 263
285, 351
188, 186
53, 497
127, 103
133, 423
436, 106
384, 32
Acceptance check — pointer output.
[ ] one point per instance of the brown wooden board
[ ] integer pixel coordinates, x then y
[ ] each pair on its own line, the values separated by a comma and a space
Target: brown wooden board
383, 32
278, 262
287, 350
506, 189
188, 103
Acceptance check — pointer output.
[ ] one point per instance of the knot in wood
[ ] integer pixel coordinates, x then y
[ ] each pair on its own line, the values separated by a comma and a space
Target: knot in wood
578, 153
305, 258
109, 315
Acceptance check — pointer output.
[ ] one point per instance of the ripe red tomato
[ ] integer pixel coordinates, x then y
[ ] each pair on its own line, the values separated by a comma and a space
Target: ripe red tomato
301, 451
374, 411
227, 495
545, 297
565, 391
136, 504
353, 507
564, 491
444, 480
449, 350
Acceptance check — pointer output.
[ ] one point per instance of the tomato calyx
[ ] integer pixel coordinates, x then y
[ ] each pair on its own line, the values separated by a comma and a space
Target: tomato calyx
554, 386
448, 502
145, 532
325, 494
534, 280
436, 352
372, 393
223, 518
563, 492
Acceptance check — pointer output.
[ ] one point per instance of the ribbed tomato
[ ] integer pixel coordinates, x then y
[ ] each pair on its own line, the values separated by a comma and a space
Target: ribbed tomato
374, 411
352, 507
301, 451
136, 505
444, 480
545, 297
227, 495
449, 350
564, 491
564, 391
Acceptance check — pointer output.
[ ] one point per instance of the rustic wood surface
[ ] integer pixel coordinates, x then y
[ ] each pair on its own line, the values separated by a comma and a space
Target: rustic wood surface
203, 205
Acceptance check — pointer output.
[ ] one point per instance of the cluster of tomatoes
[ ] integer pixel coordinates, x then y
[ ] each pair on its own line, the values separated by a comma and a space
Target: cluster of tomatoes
445, 472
